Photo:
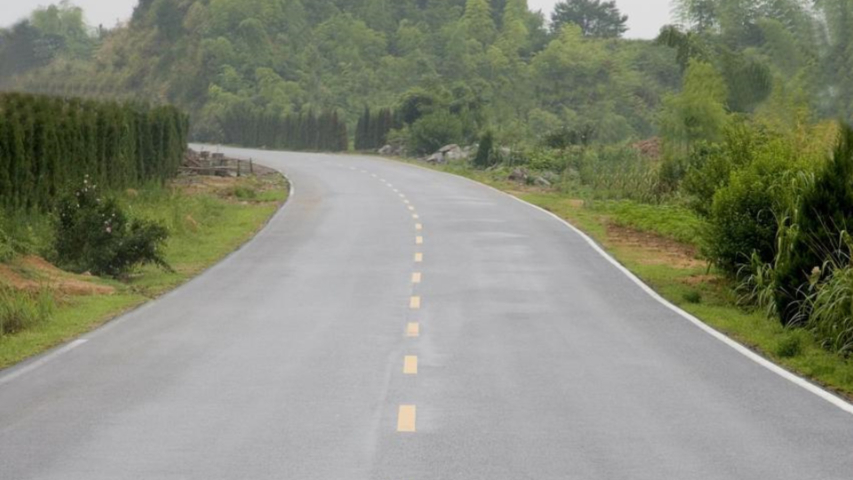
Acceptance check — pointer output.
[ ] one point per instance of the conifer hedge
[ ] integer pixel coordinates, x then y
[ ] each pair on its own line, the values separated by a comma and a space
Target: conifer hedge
242, 125
372, 130
48, 145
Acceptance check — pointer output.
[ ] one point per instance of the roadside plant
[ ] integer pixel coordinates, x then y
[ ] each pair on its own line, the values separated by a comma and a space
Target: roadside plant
20, 310
94, 234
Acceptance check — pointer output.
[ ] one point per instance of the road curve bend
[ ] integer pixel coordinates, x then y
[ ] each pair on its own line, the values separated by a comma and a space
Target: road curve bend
393, 322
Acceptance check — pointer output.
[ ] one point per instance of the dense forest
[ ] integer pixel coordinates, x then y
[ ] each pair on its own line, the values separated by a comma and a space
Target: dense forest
729, 116
474, 64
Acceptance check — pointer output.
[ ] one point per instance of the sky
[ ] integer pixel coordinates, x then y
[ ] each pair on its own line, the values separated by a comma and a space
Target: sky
645, 17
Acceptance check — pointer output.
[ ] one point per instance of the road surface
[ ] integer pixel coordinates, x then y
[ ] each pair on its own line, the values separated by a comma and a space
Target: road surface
397, 323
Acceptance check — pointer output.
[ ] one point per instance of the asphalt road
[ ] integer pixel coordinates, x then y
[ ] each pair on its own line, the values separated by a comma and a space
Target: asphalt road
316, 352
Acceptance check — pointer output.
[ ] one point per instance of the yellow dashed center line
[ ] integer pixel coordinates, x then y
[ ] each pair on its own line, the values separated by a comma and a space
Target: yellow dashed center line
415, 303
419, 240
413, 329
419, 226
416, 277
406, 419
415, 216
411, 208
410, 365
419, 257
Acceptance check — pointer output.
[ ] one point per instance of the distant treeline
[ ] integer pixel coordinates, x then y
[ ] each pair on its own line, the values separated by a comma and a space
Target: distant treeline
48, 145
307, 131
372, 130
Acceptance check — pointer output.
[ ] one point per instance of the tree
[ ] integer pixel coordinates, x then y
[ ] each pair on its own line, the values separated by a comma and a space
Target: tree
478, 22
698, 113
596, 18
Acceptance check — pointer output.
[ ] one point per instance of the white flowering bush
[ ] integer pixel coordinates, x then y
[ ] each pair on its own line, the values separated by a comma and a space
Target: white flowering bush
94, 234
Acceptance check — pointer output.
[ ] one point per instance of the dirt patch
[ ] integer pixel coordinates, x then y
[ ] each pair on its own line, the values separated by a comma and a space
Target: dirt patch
654, 249
35, 273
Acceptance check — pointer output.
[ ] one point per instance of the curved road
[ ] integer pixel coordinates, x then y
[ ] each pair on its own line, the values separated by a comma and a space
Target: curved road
397, 323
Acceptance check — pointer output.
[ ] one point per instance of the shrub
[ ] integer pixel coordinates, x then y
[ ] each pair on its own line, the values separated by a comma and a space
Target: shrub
434, 131
743, 214
20, 310
486, 151
829, 305
825, 212
94, 234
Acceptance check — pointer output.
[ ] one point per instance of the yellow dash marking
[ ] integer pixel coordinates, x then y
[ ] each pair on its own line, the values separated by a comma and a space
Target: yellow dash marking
402, 196
419, 226
410, 365
416, 277
413, 330
411, 208
415, 303
406, 419
419, 257
419, 240
415, 216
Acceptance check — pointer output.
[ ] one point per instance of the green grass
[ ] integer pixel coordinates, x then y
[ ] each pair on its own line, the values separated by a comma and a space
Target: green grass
204, 229
717, 305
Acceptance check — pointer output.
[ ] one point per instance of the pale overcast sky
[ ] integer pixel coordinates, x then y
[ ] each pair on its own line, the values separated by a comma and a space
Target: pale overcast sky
645, 16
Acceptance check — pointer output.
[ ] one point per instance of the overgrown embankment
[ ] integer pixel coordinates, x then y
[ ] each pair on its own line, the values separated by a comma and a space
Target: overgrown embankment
94, 218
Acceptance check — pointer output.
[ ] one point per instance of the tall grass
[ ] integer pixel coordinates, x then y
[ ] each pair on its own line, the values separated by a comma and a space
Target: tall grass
20, 310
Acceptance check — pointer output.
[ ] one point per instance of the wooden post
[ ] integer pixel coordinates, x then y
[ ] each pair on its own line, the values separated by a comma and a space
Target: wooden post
251, 167
239, 162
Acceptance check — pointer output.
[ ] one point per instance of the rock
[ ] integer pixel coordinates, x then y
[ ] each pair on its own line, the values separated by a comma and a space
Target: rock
387, 150
519, 175
541, 182
435, 158
449, 148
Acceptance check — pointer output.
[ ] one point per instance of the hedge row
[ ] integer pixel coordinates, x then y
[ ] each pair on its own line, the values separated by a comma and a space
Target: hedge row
48, 145
372, 130
242, 125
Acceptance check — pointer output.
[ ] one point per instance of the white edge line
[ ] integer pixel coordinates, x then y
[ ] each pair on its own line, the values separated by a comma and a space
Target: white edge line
787, 375
41, 361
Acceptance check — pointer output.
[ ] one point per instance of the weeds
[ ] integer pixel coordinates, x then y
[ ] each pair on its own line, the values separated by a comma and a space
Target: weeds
20, 310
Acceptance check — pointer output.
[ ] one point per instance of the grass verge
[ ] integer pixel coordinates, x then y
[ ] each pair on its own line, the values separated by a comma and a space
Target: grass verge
208, 218
659, 244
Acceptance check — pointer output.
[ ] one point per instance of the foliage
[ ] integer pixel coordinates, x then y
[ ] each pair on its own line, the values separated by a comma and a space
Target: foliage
743, 218
20, 310
485, 151
48, 145
698, 113
220, 59
433, 131
372, 129
829, 303
54, 32
95, 234
241, 124
823, 214
596, 18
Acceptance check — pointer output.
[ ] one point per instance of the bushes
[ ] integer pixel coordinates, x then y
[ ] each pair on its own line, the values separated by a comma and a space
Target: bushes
94, 234
48, 144
434, 131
